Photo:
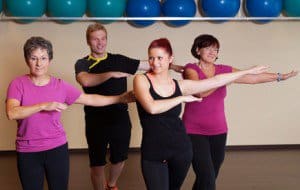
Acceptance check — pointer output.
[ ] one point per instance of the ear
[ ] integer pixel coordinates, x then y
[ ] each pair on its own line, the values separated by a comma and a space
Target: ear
198, 50
171, 59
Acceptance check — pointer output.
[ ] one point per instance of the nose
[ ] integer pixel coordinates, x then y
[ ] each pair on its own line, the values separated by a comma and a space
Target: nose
156, 62
39, 62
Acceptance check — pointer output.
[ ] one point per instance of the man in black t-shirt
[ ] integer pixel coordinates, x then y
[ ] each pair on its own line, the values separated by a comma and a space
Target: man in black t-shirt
105, 73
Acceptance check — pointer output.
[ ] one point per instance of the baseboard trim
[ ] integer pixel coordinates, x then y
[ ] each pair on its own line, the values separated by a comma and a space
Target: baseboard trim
228, 148
262, 147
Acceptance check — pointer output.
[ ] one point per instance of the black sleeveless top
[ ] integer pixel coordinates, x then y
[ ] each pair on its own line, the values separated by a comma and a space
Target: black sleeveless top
164, 134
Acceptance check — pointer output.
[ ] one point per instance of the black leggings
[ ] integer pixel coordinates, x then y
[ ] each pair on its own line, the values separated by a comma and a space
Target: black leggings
53, 163
166, 175
208, 156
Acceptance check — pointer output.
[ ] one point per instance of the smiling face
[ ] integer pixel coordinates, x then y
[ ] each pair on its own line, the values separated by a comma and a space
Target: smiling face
160, 55
38, 62
159, 59
97, 41
208, 54
206, 48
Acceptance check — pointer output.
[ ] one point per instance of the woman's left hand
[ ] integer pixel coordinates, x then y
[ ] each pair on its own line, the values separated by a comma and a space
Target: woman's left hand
289, 75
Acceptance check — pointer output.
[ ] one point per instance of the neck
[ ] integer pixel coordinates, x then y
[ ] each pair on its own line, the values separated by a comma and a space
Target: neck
98, 55
39, 80
161, 77
205, 65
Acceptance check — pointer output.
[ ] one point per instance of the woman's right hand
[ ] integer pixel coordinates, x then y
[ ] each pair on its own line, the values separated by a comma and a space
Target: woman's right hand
54, 106
117, 74
191, 98
127, 97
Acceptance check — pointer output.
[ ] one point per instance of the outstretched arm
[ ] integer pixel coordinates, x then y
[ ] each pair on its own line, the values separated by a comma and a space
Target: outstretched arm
194, 87
191, 74
264, 77
15, 111
176, 68
91, 79
141, 90
101, 100
144, 65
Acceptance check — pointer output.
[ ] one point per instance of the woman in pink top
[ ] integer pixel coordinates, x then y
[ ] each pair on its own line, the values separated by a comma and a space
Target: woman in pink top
205, 121
35, 101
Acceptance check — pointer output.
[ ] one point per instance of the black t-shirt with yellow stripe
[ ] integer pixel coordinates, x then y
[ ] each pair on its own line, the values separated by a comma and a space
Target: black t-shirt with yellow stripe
113, 86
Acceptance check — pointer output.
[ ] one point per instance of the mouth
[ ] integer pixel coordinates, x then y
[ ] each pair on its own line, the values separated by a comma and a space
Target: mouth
38, 69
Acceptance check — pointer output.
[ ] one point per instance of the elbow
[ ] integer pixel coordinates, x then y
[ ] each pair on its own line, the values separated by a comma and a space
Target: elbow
151, 110
84, 83
10, 116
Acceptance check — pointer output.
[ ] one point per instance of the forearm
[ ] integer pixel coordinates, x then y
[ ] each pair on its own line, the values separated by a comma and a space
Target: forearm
97, 100
259, 78
176, 68
160, 106
22, 112
144, 65
90, 79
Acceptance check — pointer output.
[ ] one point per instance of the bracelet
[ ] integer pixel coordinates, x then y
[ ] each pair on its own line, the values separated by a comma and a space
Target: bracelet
279, 77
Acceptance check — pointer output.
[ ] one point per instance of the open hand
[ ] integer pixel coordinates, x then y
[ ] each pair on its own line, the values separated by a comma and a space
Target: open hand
289, 75
127, 97
191, 98
54, 106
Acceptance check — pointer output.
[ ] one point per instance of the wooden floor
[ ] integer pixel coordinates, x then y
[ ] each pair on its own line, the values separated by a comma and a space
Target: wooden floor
242, 170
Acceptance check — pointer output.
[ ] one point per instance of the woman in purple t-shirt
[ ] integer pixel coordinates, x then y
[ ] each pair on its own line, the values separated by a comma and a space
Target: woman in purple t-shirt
35, 101
205, 121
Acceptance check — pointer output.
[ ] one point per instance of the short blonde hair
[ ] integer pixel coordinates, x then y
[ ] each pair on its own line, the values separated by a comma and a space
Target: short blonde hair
94, 27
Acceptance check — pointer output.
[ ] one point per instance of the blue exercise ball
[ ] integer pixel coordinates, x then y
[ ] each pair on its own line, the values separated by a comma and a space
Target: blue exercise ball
263, 8
25, 8
178, 8
143, 8
66, 8
106, 8
220, 8
292, 8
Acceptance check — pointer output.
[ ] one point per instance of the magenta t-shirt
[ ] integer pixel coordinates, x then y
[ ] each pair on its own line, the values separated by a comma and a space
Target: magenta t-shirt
43, 130
208, 116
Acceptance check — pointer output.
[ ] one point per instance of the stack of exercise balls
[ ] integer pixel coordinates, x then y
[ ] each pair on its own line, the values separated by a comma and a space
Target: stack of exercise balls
143, 8
220, 8
291, 8
66, 8
25, 8
106, 8
146, 12
263, 8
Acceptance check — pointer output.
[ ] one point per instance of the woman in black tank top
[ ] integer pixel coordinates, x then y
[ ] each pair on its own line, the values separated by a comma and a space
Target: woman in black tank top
166, 149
